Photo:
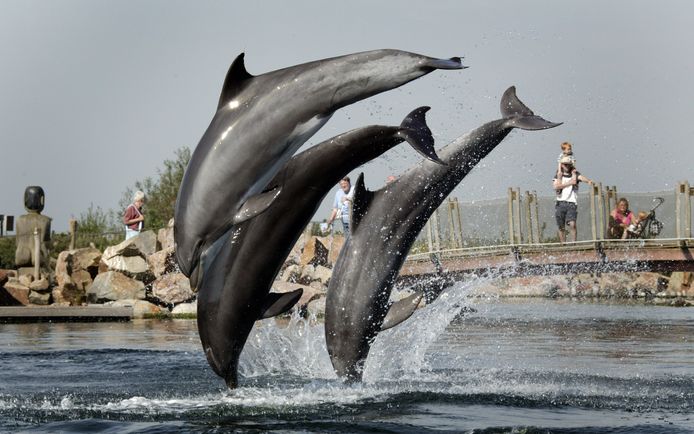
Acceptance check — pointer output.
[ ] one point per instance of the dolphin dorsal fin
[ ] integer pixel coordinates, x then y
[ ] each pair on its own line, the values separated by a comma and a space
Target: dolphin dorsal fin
518, 115
276, 303
360, 202
256, 205
415, 130
234, 81
401, 310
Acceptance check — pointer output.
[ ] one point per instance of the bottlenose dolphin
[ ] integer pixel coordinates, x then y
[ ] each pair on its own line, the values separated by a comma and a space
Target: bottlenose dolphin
386, 222
235, 288
260, 122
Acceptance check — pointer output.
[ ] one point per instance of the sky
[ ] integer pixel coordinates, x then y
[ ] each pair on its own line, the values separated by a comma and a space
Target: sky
97, 94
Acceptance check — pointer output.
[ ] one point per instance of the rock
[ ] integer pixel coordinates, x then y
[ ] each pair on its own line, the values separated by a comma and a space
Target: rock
315, 252
40, 298
336, 243
143, 245
165, 236
26, 279
141, 308
185, 309
4, 277
15, 293
322, 274
172, 288
162, 262
68, 294
316, 308
307, 295
113, 285
291, 274
40, 285
133, 266
86, 259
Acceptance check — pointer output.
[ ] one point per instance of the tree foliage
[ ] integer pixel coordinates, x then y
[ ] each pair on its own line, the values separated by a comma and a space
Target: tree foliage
160, 193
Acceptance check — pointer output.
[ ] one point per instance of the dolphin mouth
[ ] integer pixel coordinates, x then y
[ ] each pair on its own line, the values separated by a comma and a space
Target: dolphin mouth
452, 63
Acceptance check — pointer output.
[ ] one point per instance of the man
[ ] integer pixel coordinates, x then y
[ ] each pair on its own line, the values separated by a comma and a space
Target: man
566, 186
342, 203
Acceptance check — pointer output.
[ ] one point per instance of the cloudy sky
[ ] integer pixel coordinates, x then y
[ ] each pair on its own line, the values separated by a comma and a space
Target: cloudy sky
97, 94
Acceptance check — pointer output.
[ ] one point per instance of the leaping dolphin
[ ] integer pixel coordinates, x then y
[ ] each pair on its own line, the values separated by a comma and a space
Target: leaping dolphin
260, 122
235, 288
384, 225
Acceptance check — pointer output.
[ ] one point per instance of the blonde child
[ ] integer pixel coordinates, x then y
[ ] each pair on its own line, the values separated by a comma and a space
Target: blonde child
636, 226
566, 151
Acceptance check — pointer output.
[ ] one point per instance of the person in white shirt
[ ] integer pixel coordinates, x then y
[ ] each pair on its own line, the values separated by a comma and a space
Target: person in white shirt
566, 186
342, 204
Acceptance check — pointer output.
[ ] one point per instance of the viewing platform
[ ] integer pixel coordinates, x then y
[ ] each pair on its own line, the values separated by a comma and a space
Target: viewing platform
603, 256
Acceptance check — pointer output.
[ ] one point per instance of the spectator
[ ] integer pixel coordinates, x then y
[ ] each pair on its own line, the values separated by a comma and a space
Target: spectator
620, 218
566, 185
342, 204
133, 217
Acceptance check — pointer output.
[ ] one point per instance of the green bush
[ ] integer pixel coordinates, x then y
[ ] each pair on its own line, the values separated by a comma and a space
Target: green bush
8, 246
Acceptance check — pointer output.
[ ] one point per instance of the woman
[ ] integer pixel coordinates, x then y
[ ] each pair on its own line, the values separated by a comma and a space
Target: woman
133, 218
620, 219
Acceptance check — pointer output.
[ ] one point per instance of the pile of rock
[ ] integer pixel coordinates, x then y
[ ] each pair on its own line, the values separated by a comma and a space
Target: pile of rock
309, 266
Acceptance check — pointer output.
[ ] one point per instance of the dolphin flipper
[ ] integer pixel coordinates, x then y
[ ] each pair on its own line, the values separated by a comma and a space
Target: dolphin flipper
256, 204
276, 304
401, 310
415, 130
519, 115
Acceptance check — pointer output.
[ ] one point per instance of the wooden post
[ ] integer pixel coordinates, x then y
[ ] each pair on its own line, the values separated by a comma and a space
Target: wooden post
459, 219
73, 233
601, 212
37, 254
511, 232
519, 232
537, 217
593, 225
437, 230
451, 224
429, 236
687, 210
528, 218
678, 206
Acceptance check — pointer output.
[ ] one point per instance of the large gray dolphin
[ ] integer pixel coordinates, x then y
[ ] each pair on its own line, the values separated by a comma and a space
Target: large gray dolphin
235, 288
260, 122
386, 222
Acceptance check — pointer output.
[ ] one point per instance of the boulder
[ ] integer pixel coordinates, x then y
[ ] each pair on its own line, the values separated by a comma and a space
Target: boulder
291, 274
141, 308
162, 262
4, 277
40, 285
172, 288
185, 309
68, 294
336, 243
315, 251
322, 274
165, 236
26, 279
306, 297
39, 298
316, 307
113, 285
15, 293
143, 245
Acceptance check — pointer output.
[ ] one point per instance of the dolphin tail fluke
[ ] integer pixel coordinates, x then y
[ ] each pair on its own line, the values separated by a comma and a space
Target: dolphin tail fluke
256, 205
518, 115
360, 202
401, 310
416, 132
276, 304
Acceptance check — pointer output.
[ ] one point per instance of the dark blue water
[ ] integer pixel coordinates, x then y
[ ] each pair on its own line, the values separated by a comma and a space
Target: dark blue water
511, 366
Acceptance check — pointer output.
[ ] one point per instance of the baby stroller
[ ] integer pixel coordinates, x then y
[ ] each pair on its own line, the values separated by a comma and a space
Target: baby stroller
649, 227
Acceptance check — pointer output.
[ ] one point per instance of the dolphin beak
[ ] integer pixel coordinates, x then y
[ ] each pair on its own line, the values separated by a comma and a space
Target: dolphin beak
452, 63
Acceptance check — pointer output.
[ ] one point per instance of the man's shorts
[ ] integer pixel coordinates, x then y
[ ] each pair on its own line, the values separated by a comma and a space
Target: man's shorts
565, 212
